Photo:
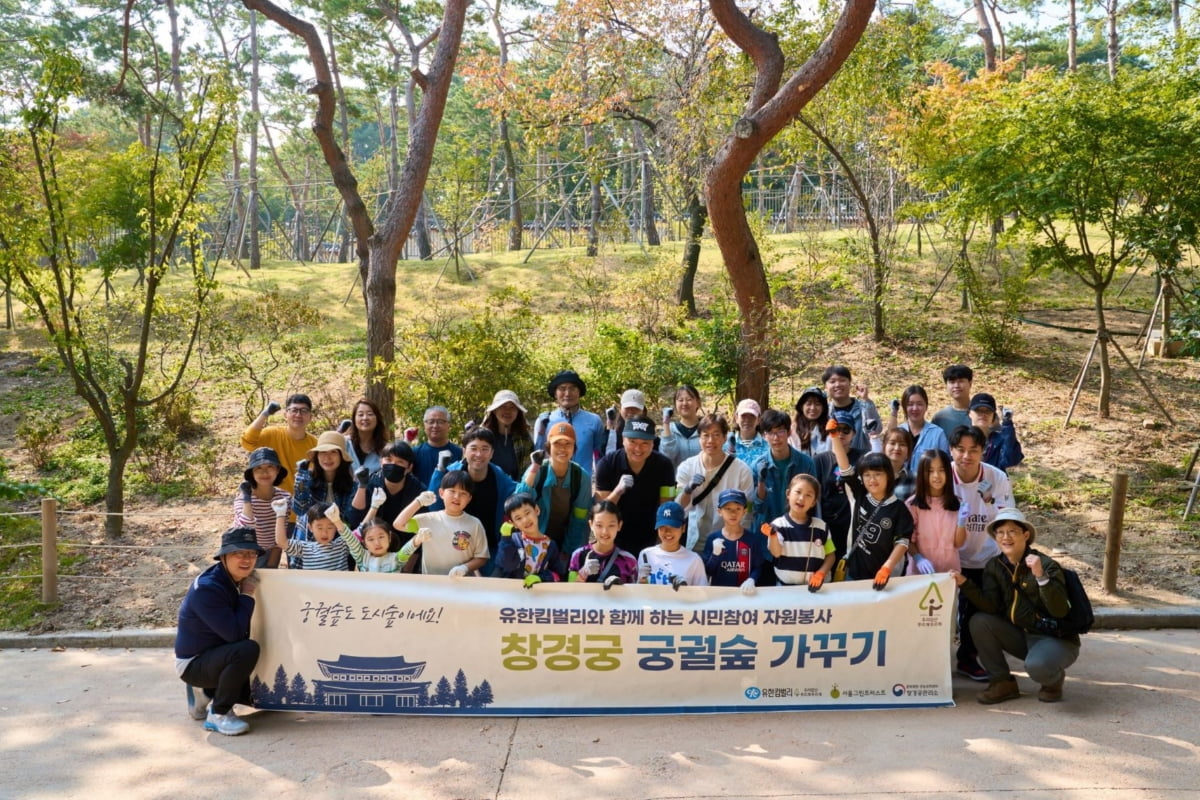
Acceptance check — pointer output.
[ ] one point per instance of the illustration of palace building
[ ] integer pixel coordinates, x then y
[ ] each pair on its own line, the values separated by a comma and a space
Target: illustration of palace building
371, 683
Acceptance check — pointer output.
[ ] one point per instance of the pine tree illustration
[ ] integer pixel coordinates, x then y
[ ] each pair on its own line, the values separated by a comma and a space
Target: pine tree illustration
461, 693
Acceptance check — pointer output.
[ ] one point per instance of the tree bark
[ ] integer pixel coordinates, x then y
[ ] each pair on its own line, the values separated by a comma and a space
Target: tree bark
696, 216
769, 108
985, 34
252, 162
1072, 36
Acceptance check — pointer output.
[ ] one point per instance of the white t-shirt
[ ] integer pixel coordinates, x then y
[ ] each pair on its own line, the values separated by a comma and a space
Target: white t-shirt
703, 517
663, 564
455, 540
983, 497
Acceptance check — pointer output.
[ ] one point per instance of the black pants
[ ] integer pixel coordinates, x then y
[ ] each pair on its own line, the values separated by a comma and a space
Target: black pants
966, 643
224, 673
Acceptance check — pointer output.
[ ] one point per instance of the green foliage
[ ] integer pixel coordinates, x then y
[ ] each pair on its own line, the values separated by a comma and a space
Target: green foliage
623, 358
461, 357
994, 308
37, 433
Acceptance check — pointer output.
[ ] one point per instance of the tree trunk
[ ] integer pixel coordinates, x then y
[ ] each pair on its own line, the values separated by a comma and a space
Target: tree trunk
1114, 44
176, 49
1105, 369
985, 34
114, 494
646, 177
252, 162
1072, 36
516, 223
696, 216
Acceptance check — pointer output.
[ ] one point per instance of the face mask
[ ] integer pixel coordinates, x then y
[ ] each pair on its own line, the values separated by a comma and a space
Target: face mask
393, 472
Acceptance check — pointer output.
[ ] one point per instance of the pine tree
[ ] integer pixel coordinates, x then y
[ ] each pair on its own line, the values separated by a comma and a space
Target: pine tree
279, 693
443, 696
298, 693
461, 693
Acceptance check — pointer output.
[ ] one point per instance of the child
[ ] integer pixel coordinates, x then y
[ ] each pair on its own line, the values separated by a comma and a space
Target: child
602, 561
667, 562
452, 542
898, 447
326, 550
732, 558
253, 506
937, 533
375, 545
880, 526
801, 544
1002, 450
525, 552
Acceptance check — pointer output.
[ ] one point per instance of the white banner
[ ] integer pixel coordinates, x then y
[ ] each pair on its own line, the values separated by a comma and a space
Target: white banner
416, 644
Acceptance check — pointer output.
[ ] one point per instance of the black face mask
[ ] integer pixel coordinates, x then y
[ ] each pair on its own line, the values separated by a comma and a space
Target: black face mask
393, 472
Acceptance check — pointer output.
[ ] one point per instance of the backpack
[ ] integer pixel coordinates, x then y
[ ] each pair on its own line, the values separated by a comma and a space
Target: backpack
1079, 618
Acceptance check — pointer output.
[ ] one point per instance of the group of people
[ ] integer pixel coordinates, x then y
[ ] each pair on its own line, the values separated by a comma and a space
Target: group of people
833, 492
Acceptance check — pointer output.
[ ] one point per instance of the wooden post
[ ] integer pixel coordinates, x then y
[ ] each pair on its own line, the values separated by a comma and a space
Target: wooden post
1116, 523
49, 550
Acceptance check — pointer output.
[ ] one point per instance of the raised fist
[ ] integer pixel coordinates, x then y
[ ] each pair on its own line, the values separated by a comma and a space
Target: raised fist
423, 536
302, 465
410, 435
538, 457
677, 581
280, 506
444, 457
272, 408
378, 498
332, 514
344, 426
426, 498
245, 488
718, 545
363, 476
625, 483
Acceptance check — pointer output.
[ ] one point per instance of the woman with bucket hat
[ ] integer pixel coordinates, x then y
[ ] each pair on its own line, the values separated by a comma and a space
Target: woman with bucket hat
258, 500
323, 475
1020, 586
505, 417
213, 648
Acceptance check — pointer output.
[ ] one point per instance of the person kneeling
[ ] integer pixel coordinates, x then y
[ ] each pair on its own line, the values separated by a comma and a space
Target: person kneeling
213, 648
1020, 586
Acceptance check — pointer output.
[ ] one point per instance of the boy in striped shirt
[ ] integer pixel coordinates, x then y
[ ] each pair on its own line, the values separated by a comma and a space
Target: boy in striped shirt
326, 551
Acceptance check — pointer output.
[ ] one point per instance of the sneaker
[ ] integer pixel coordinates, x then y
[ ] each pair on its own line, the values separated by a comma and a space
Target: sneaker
999, 691
197, 711
1051, 692
226, 724
972, 670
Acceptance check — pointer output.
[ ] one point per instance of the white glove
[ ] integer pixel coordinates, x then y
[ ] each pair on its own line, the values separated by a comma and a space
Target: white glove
718, 545
427, 498
643, 569
964, 514
378, 498
625, 483
423, 536
748, 586
924, 565
332, 514
458, 572
590, 567
280, 507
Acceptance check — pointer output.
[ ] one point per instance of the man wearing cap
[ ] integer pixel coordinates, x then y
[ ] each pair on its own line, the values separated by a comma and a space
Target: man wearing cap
291, 441
835, 504
746, 442
561, 489
633, 404
437, 441
637, 479
1002, 450
213, 648
566, 389
859, 409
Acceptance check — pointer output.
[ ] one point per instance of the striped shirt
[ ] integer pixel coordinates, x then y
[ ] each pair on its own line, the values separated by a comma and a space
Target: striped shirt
805, 545
259, 516
320, 556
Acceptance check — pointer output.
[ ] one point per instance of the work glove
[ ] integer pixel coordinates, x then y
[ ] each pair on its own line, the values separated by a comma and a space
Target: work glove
831, 426
611, 581
272, 408
470, 426
423, 536
344, 426
748, 586
643, 570
668, 412
444, 457
426, 498
333, 515
302, 465
964, 514
530, 580
816, 581
280, 506
458, 572
718, 545
538, 457
695, 483
676, 582
245, 488
895, 406
625, 483
881, 577
923, 565
378, 497
768, 530
363, 476
410, 435
589, 567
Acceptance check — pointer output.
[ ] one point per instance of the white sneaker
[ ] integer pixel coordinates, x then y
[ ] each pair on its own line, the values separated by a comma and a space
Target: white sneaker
197, 711
226, 724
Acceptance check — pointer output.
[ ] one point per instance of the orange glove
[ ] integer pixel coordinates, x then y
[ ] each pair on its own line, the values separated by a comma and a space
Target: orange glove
767, 529
831, 426
816, 581
881, 577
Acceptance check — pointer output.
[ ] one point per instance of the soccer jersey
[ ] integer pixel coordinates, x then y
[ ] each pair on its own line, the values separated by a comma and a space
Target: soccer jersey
740, 558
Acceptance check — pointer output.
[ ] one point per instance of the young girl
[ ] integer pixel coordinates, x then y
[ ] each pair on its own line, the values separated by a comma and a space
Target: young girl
880, 526
731, 556
253, 506
375, 544
897, 446
454, 542
602, 561
799, 541
937, 534
812, 412
680, 437
367, 436
326, 550
524, 551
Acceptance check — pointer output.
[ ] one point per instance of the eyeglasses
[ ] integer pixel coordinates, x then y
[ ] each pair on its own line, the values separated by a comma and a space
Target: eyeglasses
777, 432
437, 422
301, 410
1010, 534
